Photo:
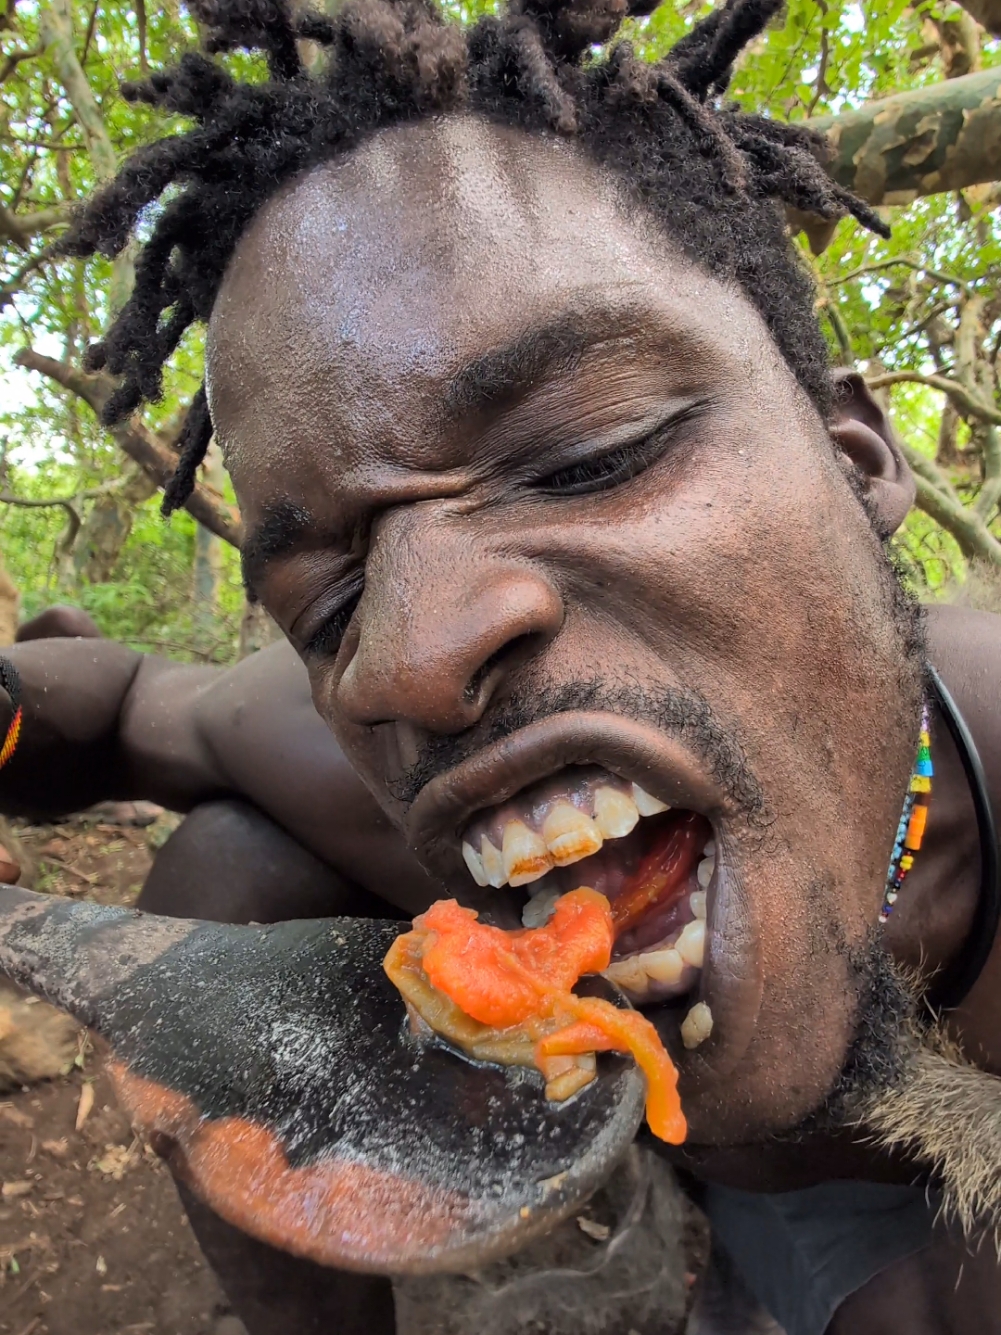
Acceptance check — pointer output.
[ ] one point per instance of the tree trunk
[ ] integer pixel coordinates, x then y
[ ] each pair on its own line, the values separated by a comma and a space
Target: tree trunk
921, 142
257, 630
208, 559
55, 25
105, 530
10, 601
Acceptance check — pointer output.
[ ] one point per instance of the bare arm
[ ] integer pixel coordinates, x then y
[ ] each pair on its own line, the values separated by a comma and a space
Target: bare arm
104, 722
82, 740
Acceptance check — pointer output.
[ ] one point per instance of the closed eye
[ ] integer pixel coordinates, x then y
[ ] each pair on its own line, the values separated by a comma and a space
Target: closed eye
326, 641
601, 472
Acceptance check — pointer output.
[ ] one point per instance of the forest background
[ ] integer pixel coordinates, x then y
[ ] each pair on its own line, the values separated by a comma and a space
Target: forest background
908, 94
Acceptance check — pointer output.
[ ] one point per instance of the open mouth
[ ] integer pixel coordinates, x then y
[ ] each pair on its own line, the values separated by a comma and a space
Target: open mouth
586, 826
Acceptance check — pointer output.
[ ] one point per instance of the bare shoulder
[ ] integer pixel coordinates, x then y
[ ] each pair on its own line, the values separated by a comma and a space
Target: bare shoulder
965, 646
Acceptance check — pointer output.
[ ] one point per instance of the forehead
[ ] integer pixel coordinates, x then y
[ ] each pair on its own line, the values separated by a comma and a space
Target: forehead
361, 289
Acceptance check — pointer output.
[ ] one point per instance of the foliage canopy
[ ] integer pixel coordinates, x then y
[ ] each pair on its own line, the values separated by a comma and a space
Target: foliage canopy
920, 314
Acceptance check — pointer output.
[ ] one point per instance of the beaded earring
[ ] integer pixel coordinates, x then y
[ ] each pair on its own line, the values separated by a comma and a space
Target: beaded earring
913, 819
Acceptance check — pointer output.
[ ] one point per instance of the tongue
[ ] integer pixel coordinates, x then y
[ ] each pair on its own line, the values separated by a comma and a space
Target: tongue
662, 877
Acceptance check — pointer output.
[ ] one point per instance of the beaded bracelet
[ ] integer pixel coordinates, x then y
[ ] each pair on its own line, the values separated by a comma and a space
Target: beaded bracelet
11, 683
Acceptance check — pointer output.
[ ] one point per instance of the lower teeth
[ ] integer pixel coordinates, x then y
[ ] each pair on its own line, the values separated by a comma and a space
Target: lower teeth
670, 966
540, 908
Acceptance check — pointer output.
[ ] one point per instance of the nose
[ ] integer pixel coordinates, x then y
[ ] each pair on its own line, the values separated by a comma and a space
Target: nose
443, 621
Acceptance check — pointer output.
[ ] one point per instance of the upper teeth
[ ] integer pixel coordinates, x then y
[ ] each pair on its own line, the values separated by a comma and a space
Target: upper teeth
691, 944
526, 856
615, 813
474, 861
646, 804
568, 835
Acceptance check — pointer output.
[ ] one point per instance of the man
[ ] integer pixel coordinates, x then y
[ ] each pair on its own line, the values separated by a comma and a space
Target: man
543, 477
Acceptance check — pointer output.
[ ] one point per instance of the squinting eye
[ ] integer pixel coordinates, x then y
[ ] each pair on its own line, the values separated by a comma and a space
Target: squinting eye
327, 640
597, 474
601, 472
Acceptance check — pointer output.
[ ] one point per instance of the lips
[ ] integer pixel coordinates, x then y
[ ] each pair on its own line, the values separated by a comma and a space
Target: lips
600, 800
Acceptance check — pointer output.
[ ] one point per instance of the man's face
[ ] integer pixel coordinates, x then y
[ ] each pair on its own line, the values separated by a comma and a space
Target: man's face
547, 517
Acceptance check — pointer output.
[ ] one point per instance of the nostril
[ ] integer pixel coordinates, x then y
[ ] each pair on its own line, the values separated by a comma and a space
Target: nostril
509, 655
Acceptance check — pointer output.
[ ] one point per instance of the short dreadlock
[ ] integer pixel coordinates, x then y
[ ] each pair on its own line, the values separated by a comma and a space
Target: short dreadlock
711, 174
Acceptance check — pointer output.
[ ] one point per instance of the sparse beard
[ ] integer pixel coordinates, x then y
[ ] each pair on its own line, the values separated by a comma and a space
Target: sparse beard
878, 1059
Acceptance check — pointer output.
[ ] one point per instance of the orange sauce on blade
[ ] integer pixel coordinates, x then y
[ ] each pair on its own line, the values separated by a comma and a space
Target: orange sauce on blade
516, 986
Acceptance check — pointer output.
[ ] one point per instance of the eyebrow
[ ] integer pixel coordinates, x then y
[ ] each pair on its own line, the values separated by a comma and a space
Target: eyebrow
508, 372
282, 530
485, 383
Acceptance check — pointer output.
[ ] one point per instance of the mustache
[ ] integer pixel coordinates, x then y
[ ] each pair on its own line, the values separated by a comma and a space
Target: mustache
682, 713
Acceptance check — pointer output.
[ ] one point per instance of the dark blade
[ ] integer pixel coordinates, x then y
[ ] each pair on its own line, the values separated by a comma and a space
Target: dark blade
274, 1068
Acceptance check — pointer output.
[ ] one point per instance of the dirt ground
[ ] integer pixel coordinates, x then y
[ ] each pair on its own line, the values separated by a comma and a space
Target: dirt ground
93, 1240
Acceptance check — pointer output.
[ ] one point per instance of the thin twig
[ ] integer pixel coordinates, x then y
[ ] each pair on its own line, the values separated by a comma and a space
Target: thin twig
89, 37
900, 261
73, 871
960, 395
8, 293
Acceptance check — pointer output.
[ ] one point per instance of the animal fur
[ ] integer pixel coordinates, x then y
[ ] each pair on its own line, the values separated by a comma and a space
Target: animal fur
946, 1114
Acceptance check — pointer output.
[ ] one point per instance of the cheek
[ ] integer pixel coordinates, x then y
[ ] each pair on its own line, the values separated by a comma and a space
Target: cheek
768, 599
747, 588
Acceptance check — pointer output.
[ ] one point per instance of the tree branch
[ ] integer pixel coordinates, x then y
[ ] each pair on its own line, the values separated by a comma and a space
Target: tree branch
55, 24
21, 227
945, 137
939, 501
72, 514
14, 58
900, 260
32, 504
990, 492
139, 443
962, 397
141, 33
841, 333
13, 286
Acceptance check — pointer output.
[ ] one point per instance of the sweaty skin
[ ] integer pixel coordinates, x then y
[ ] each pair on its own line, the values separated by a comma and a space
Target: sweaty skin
720, 624
245, 748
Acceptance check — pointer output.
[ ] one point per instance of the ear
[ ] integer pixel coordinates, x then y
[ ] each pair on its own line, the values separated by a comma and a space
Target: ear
860, 429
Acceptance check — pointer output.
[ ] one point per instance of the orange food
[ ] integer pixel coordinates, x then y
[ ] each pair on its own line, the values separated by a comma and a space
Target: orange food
506, 996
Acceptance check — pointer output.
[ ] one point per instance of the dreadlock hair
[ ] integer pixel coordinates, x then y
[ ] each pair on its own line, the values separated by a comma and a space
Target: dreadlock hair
712, 175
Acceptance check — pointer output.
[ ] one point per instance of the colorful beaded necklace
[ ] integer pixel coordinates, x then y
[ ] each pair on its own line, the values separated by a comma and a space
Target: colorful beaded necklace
913, 819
